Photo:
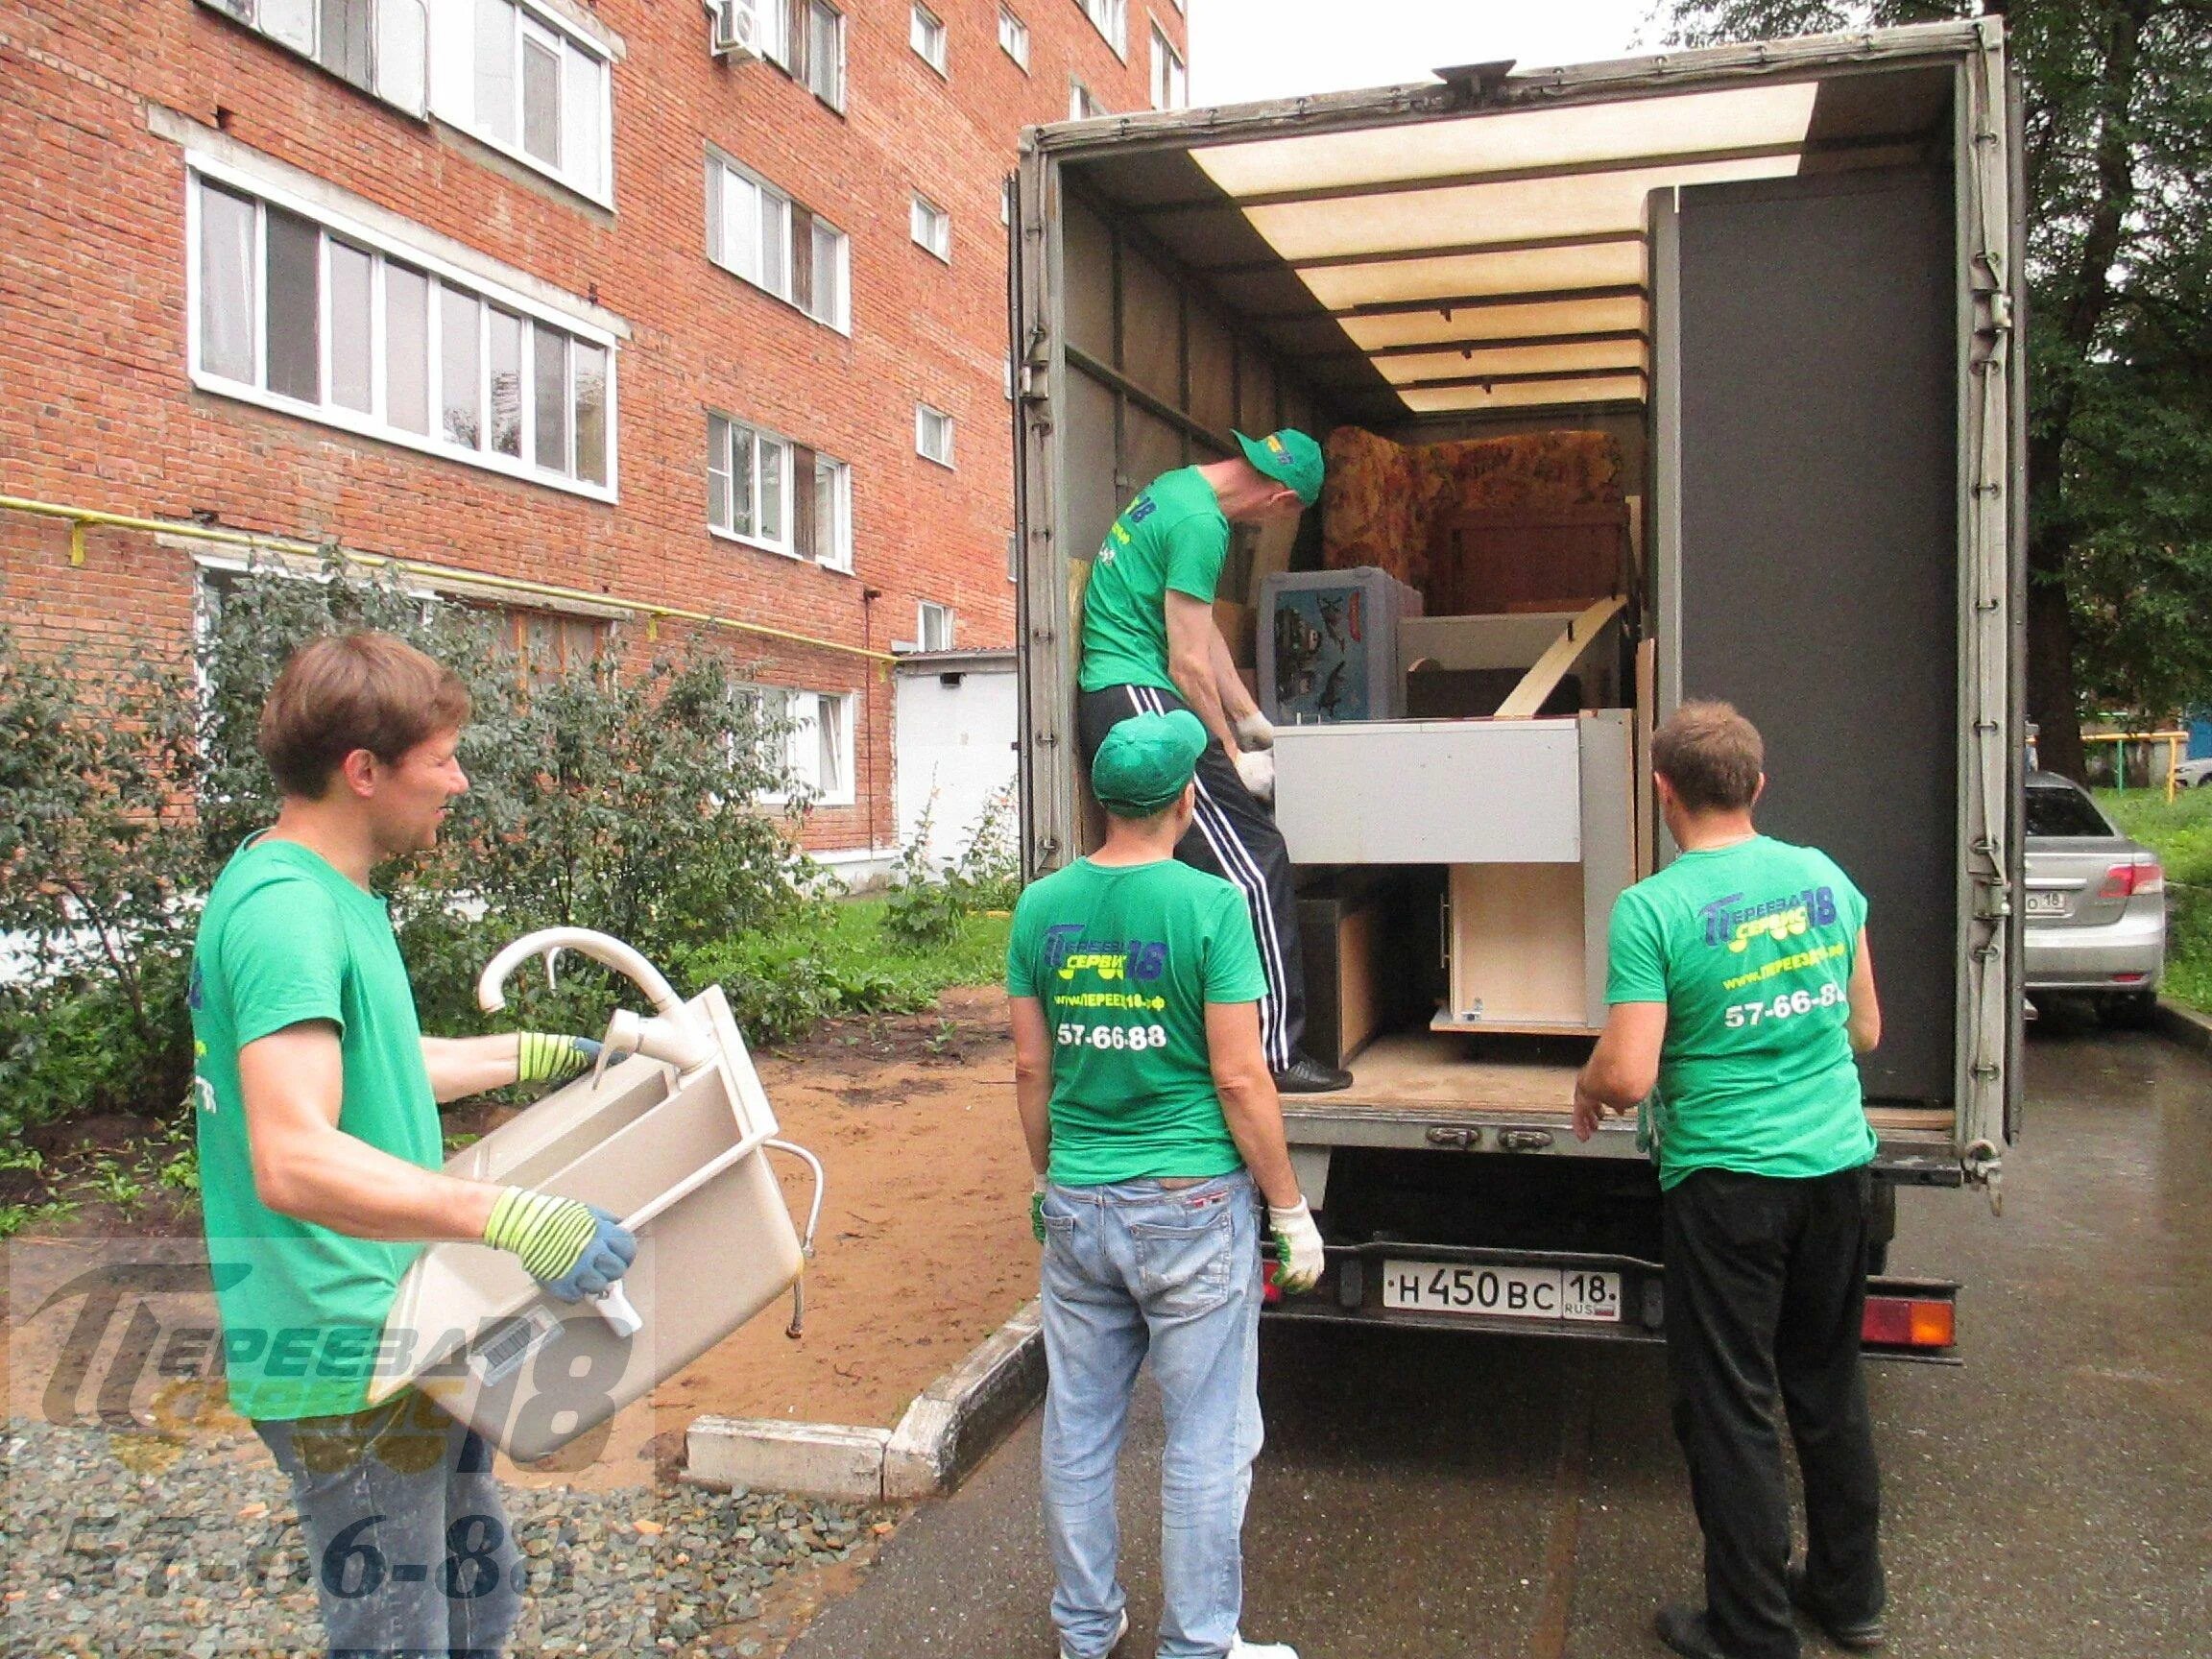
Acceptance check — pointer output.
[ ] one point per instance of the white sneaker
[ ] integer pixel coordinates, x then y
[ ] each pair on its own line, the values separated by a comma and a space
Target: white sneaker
1243, 1649
1122, 1629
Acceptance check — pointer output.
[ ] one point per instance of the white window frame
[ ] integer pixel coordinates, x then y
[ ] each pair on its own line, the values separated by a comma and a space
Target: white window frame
1014, 36
837, 103
383, 246
383, 89
924, 26
922, 412
782, 544
453, 89
1110, 18
802, 711
838, 316
931, 226
1082, 103
1175, 94
837, 551
927, 610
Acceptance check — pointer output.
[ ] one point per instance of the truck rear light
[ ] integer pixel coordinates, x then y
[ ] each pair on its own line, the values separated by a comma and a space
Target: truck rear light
1908, 1322
2139, 875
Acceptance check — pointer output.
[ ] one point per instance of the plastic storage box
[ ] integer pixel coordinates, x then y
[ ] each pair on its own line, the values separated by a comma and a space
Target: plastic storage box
1327, 644
683, 1159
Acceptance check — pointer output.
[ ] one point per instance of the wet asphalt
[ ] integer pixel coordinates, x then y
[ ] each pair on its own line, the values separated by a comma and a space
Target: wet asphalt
1424, 1496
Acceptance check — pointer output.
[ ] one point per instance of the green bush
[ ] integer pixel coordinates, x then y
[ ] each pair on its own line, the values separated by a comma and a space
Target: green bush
623, 802
780, 985
925, 907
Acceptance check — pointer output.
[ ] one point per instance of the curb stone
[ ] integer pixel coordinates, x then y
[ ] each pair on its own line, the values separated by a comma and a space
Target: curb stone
949, 1429
2184, 1026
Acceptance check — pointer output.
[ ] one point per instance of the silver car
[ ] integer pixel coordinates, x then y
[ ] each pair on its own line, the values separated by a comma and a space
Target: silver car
2096, 903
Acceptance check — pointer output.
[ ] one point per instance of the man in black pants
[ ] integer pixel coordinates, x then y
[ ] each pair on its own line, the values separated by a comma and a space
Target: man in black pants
1150, 645
1741, 986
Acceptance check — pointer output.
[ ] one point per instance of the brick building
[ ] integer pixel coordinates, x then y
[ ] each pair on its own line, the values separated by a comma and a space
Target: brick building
548, 292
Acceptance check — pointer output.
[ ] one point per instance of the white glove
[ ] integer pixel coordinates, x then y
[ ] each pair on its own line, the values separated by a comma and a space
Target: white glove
1256, 732
1257, 769
1297, 1245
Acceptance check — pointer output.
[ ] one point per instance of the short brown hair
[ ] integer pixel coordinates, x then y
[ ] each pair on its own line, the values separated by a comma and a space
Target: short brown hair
1711, 755
352, 691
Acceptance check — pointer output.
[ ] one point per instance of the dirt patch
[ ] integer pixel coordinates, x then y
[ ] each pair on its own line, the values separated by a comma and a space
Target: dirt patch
924, 1248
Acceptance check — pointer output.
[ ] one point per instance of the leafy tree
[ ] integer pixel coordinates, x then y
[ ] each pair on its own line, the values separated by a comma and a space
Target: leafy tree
2118, 132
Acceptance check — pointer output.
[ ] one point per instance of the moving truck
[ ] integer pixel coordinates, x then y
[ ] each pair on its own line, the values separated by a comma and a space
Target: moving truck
1689, 376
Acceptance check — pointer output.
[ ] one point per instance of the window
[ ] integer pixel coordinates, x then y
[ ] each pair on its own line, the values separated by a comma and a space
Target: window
932, 227
1170, 80
549, 645
1013, 556
817, 739
1110, 18
807, 37
322, 321
2053, 811
527, 85
1014, 37
933, 434
757, 231
1081, 105
927, 35
377, 45
934, 626
777, 494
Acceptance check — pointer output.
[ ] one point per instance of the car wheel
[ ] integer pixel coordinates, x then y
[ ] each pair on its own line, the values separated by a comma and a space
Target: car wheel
2131, 1011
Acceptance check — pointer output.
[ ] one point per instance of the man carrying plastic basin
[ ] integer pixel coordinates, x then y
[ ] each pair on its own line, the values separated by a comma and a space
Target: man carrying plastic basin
320, 1154
1135, 985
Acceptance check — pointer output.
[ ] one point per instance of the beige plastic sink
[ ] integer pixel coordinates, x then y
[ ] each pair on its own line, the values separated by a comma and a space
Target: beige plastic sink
683, 1161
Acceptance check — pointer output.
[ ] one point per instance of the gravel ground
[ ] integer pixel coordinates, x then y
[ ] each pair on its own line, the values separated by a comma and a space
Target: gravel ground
126, 1545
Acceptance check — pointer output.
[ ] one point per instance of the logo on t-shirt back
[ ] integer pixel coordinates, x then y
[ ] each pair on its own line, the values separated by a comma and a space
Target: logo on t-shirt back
1733, 923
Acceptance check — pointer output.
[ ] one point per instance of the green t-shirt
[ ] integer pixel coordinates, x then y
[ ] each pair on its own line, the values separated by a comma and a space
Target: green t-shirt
285, 938
1124, 960
1751, 948
1172, 536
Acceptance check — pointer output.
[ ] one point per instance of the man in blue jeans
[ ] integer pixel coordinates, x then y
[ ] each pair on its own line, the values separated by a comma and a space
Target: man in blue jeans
1151, 1116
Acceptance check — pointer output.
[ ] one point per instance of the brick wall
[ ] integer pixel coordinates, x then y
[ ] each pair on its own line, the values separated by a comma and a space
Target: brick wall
97, 409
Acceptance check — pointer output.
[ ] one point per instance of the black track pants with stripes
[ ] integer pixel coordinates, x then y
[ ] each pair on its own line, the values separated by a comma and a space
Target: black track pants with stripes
1235, 836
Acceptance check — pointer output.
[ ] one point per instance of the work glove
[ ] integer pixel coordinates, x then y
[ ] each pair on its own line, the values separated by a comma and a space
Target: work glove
1254, 731
1257, 768
1298, 1258
1037, 1206
573, 1248
544, 1057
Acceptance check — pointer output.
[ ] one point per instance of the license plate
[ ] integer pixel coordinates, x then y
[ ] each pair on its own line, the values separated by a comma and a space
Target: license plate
1576, 1293
2046, 903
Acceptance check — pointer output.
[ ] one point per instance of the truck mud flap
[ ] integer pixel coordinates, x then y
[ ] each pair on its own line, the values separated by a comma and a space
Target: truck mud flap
1552, 1293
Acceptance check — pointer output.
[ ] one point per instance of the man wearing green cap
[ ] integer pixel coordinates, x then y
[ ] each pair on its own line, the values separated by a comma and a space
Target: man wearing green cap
1150, 645
1134, 984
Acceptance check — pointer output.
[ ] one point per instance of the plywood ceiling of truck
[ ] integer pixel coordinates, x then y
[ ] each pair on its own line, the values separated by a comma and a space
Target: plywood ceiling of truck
1403, 214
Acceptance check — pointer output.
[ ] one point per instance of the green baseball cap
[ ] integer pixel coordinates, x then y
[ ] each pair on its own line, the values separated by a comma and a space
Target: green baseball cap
1145, 761
1288, 457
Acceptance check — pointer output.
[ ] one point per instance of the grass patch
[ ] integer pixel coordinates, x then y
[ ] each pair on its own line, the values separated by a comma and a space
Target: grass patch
976, 955
2182, 835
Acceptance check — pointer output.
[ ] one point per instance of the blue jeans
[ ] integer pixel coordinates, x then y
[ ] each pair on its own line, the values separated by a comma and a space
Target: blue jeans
1130, 1269
410, 1545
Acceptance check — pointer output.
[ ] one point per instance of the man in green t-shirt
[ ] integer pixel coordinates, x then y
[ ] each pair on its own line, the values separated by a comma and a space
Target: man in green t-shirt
1146, 1101
1741, 989
319, 1153
1151, 644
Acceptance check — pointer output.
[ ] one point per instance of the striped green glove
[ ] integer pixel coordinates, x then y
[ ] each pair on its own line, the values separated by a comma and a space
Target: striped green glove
545, 1057
573, 1248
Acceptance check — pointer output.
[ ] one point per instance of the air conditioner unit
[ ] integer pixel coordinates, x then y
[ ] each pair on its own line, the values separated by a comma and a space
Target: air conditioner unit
737, 29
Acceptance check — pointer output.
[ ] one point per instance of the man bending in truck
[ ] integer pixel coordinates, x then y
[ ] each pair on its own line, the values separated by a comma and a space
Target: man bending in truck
320, 1154
1151, 1119
1739, 990
1151, 644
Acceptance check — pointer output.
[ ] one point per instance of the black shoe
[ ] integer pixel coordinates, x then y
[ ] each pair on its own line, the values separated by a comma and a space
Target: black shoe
1307, 1076
1857, 1634
1683, 1628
